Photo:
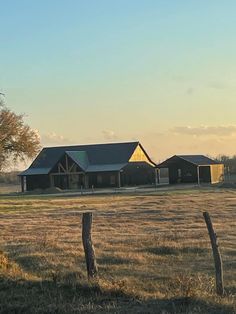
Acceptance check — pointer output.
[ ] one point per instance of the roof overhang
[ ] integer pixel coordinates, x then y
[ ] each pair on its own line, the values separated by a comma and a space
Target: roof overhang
35, 171
105, 167
203, 162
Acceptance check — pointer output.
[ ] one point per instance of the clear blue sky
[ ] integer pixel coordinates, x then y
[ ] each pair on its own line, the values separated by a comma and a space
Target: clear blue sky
96, 71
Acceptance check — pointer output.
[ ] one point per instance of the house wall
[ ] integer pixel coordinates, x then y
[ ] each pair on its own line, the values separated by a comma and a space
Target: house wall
188, 173
135, 173
139, 156
76, 181
37, 182
205, 174
67, 175
138, 173
102, 179
182, 172
68, 181
217, 173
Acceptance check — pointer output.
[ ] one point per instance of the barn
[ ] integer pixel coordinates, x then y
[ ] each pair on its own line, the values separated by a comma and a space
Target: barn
193, 169
87, 166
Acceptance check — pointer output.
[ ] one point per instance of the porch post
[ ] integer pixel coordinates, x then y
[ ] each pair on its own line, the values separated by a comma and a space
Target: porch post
86, 181
118, 180
51, 180
157, 176
198, 175
22, 184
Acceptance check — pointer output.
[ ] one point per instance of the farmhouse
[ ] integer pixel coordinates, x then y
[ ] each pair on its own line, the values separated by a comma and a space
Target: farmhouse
86, 166
193, 169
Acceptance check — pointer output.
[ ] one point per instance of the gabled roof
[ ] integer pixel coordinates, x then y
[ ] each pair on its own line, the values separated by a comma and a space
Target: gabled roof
84, 155
80, 158
197, 160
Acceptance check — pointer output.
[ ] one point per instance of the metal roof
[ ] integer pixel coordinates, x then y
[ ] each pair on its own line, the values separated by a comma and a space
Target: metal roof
35, 171
198, 160
103, 168
80, 158
94, 154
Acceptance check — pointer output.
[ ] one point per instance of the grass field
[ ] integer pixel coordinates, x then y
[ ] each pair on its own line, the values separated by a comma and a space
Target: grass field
9, 188
153, 253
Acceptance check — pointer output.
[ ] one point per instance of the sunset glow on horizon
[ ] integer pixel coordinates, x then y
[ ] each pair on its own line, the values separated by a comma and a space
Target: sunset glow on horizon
161, 72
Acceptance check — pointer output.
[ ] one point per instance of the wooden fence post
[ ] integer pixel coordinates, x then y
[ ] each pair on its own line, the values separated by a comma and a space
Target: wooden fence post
216, 255
88, 245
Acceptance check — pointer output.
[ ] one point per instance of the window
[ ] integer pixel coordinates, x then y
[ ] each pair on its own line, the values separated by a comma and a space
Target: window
113, 179
179, 173
99, 179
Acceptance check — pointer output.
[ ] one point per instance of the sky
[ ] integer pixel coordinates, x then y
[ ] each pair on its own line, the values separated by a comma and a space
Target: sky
159, 71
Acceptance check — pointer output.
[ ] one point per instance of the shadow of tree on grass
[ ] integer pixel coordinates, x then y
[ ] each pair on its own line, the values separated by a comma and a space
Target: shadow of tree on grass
70, 292
24, 296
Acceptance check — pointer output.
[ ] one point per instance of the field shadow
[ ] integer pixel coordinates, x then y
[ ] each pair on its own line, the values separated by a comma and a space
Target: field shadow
36, 263
231, 253
231, 290
14, 249
33, 263
111, 260
168, 250
186, 305
25, 296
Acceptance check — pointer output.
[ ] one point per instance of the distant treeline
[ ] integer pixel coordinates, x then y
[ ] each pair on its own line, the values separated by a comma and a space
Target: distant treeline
229, 162
9, 177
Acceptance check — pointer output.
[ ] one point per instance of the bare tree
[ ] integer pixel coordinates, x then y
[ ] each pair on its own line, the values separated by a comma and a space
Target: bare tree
17, 140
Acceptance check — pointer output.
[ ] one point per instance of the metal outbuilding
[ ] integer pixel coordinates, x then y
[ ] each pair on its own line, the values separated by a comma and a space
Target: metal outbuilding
193, 169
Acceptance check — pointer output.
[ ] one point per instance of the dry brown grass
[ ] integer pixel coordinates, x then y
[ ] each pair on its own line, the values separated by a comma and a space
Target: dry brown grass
153, 253
9, 188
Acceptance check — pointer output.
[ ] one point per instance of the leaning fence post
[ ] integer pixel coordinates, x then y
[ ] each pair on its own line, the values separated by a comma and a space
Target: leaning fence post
216, 255
90, 258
